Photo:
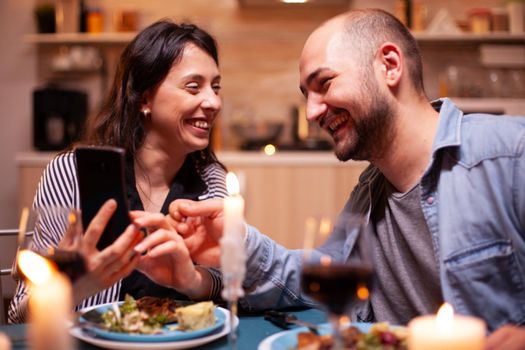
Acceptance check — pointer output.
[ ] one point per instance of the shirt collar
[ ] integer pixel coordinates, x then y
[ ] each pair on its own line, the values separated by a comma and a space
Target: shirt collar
449, 125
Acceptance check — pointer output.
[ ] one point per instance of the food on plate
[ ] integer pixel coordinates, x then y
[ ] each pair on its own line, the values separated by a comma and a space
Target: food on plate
196, 316
160, 306
380, 337
148, 315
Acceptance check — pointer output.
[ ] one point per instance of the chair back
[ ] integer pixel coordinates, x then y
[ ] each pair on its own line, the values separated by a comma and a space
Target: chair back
9, 270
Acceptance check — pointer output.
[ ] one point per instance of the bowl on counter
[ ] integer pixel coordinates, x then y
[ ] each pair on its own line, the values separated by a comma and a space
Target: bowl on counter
256, 135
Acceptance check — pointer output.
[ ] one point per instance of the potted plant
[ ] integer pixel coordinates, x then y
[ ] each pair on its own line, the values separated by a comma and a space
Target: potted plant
45, 18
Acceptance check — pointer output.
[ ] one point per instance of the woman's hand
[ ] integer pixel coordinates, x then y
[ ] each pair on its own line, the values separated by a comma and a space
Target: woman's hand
201, 225
508, 337
166, 258
103, 268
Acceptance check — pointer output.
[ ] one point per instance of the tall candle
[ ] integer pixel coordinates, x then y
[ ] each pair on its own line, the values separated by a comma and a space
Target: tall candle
49, 303
233, 207
5, 342
446, 331
233, 255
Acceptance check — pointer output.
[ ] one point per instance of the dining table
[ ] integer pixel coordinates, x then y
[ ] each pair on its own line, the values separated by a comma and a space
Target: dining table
252, 330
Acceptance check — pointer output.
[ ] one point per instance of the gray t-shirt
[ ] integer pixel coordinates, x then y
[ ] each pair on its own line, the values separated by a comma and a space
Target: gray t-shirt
407, 272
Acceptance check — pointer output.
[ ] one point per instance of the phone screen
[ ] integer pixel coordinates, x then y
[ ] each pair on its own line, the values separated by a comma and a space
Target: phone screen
100, 172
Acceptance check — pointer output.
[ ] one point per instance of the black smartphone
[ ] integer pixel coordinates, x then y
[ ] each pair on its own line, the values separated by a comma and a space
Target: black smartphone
100, 173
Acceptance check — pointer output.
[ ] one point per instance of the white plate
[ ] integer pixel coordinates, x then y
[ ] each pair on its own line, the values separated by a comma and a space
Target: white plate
180, 344
167, 335
287, 340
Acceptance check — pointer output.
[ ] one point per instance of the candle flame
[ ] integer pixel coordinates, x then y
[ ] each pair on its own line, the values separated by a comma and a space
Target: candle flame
232, 184
445, 316
35, 267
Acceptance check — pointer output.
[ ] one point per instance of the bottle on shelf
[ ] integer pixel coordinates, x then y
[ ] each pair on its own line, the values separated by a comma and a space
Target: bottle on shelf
67, 19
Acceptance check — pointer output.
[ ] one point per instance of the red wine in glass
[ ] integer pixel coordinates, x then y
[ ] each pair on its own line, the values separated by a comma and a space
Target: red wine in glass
337, 281
337, 286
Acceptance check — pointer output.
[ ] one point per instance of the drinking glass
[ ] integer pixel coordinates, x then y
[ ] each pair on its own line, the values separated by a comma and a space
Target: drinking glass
67, 256
337, 281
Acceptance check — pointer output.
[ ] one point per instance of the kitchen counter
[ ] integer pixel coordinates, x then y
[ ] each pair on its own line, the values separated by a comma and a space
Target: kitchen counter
233, 158
281, 191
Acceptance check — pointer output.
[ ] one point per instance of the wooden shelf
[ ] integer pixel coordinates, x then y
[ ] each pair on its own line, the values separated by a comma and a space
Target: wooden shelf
80, 38
470, 37
123, 38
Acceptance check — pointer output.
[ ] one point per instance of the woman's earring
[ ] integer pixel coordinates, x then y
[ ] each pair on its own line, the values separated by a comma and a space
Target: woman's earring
146, 112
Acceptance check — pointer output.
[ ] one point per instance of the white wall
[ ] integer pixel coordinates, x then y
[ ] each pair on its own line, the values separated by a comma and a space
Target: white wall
17, 79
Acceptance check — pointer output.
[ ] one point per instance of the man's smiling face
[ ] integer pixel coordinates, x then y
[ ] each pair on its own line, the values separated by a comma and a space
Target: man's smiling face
343, 95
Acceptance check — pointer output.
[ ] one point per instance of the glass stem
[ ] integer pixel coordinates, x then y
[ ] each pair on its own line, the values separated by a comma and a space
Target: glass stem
232, 336
336, 332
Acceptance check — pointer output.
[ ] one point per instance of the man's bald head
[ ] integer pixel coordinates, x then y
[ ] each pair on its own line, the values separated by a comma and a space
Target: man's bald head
360, 33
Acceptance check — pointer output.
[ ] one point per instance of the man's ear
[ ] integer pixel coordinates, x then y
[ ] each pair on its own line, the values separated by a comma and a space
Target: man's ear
391, 60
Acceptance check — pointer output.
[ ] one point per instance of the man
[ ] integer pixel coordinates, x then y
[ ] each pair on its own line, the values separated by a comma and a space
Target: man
444, 196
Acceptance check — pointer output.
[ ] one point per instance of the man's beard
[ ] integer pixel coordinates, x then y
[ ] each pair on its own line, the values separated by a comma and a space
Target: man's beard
372, 131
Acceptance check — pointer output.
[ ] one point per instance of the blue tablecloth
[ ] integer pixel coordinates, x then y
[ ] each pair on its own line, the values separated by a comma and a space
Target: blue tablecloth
252, 330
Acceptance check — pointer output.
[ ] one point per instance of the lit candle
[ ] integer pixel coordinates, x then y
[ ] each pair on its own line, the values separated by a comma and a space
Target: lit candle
49, 303
446, 331
5, 342
233, 256
233, 207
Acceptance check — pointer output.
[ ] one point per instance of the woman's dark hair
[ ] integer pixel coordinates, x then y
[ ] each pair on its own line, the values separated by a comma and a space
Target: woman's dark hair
143, 65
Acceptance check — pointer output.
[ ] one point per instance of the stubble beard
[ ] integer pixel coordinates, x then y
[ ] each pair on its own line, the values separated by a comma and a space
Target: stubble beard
372, 131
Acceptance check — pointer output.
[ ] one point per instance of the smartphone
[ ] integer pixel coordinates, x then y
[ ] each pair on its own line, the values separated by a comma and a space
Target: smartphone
101, 176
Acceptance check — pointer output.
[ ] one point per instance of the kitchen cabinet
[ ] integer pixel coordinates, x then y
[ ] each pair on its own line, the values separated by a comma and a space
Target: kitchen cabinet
481, 72
280, 191
461, 51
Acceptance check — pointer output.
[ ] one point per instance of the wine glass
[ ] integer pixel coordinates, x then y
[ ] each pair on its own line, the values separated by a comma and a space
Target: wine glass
337, 281
66, 257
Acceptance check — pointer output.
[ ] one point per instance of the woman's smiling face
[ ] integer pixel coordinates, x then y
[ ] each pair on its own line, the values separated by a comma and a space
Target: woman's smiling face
185, 104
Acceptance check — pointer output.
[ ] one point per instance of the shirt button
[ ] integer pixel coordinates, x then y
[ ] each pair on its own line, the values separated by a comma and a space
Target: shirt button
430, 200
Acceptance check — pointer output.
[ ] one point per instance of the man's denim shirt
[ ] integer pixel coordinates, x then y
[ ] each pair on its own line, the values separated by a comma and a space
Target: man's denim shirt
473, 199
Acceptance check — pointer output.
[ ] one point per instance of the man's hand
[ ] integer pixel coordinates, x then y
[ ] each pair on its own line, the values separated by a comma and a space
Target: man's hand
201, 225
508, 337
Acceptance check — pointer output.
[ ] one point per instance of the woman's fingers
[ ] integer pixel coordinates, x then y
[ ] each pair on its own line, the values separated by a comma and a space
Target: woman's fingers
156, 238
135, 214
98, 224
152, 221
120, 252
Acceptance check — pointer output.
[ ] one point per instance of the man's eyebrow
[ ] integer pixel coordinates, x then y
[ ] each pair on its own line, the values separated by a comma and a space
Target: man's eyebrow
314, 75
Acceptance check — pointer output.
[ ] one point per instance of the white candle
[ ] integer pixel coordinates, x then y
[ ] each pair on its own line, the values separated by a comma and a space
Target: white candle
233, 208
446, 331
233, 255
5, 342
49, 304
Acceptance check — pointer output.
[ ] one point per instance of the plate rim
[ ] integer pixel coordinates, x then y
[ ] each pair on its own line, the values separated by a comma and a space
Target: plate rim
77, 333
151, 338
267, 342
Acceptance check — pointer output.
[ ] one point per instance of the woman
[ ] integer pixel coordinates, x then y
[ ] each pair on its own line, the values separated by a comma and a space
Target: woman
161, 108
